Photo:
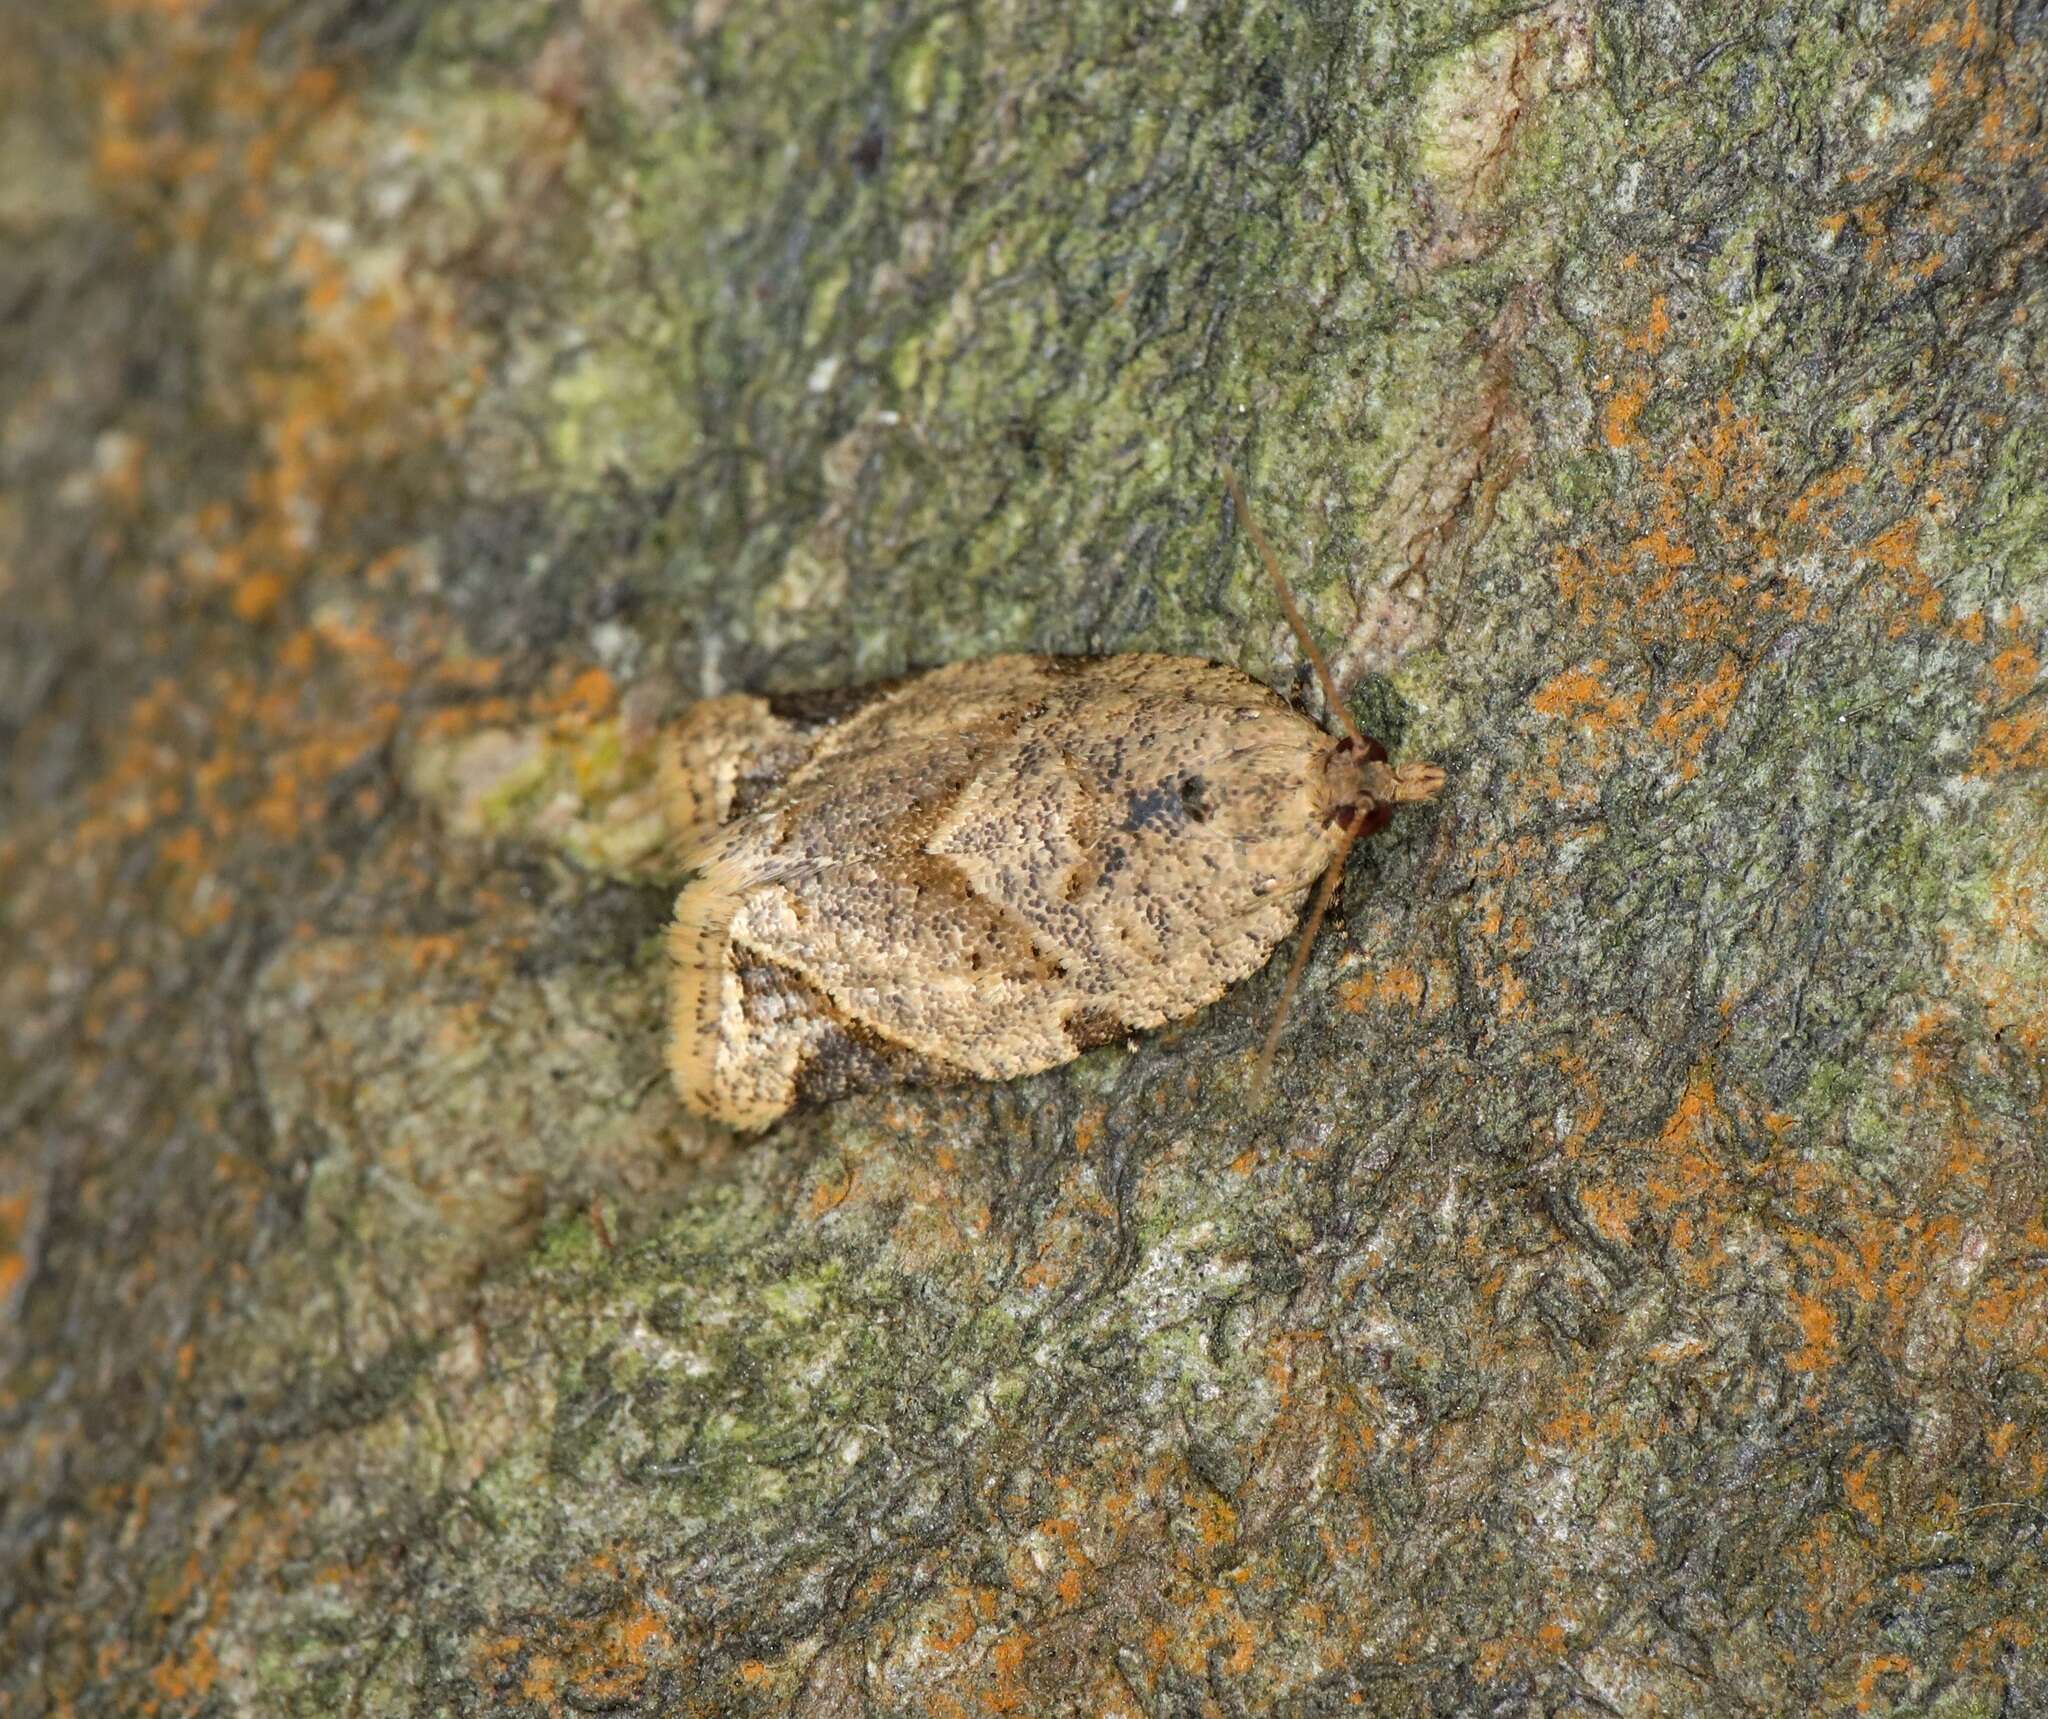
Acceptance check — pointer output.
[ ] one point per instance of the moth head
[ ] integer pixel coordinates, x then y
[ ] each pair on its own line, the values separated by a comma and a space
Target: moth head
1357, 791
1344, 797
1360, 789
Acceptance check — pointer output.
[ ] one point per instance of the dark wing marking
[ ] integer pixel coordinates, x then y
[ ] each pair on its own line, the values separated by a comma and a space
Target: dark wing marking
847, 1057
827, 706
1088, 1028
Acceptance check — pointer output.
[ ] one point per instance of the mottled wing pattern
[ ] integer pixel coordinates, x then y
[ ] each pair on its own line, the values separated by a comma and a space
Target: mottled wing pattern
906, 952
726, 753
1132, 829
980, 873
719, 748
749, 1036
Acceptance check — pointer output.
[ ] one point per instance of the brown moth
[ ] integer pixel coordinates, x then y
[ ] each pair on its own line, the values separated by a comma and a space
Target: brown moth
981, 871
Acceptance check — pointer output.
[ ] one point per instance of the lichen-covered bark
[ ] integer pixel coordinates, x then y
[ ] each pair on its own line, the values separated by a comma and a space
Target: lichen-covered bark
1634, 1297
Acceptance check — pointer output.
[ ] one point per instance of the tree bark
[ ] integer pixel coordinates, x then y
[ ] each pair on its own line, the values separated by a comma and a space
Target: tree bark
1631, 1295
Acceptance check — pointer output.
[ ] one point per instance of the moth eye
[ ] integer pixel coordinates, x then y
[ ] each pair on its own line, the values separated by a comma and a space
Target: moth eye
1194, 799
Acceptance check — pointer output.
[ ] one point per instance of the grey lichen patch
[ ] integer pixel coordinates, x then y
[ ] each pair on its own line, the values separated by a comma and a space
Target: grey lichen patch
1436, 712
618, 406
754, 1406
1397, 507
722, 1402
432, 1093
41, 182
900, 403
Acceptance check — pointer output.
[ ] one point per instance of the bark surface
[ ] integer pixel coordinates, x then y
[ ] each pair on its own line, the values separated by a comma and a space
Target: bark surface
1633, 1296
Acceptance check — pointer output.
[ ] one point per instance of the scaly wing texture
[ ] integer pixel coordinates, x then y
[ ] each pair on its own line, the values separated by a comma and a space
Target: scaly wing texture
1163, 843
988, 870
748, 1035
751, 1036
718, 748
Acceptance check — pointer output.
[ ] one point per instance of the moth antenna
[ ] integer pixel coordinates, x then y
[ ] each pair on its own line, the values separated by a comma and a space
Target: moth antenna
1324, 892
1294, 619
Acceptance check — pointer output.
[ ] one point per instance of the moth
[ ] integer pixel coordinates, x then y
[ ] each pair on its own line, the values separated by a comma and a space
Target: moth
981, 871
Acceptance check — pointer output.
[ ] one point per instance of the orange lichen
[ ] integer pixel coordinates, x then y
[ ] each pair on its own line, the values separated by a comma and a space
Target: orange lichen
255, 753
1618, 416
1824, 492
2015, 671
1694, 713
1612, 1208
975, 1606
597, 1654
2010, 743
1573, 1427
190, 1675
225, 781
1874, 1668
1656, 329
1011, 1692
1396, 984
1580, 695
1860, 1488
1906, 590
830, 1194
14, 1210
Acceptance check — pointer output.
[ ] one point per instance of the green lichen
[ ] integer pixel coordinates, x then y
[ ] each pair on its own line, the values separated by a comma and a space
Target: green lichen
618, 408
586, 789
